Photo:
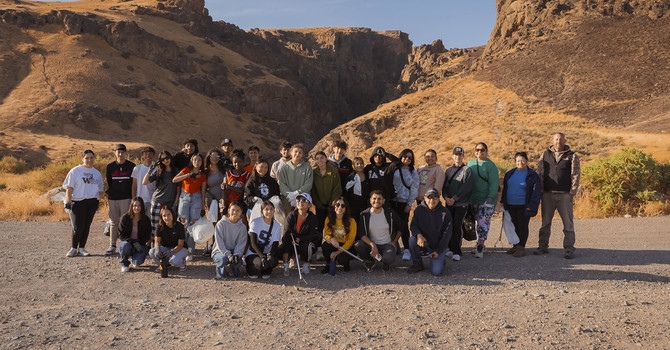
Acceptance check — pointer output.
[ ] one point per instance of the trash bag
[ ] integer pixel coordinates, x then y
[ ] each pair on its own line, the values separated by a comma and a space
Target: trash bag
202, 230
469, 228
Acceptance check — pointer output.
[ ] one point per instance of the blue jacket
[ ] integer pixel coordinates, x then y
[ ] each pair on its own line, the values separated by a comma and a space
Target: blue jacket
533, 191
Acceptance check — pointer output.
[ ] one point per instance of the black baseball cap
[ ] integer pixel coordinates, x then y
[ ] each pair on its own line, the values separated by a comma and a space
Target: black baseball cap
458, 150
120, 146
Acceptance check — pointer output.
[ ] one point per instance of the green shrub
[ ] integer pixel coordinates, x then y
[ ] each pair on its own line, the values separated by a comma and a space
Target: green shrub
12, 165
627, 180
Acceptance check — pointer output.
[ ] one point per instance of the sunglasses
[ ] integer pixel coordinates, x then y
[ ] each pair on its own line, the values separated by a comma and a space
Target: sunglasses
164, 159
480, 149
338, 205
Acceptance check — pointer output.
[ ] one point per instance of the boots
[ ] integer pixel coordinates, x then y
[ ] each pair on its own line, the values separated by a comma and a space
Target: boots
520, 251
512, 250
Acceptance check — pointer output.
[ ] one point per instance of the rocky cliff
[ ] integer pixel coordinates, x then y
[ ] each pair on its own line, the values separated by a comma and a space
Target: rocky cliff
106, 71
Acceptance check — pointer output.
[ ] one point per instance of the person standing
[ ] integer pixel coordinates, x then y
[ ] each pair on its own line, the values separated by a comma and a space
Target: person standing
457, 190
139, 188
83, 188
233, 183
341, 162
379, 231
431, 232
521, 195
192, 200
254, 154
227, 149
379, 173
182, 158
285, 151
484, 193
406, 185
431, 175
165, 193
296, 176
560, 171
119, 192
325, 187
135, 235
357, 189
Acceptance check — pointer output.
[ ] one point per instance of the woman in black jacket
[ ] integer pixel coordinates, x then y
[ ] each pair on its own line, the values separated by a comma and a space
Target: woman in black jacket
301, 226
260, 187
135, 235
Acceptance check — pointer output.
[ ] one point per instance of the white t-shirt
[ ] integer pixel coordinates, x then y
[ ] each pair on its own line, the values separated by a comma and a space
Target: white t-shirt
85, 182
265, 238
144, 191
379, 229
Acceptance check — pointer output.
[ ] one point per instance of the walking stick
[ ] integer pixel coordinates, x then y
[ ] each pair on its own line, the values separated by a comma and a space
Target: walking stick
297, 260
501, 229
346, 251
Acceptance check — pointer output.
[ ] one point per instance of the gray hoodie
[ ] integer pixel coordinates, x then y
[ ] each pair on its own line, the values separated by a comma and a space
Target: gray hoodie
229, 238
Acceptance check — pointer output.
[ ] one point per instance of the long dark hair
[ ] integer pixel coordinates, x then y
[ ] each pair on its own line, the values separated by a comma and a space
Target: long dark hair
202, 165
142, 206
255, 175
162, 156
346, 218
161, 223
404, 152
219, 163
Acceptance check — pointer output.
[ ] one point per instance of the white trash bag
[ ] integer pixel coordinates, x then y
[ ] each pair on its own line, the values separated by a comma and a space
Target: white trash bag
202, 230
213, 215
510, 230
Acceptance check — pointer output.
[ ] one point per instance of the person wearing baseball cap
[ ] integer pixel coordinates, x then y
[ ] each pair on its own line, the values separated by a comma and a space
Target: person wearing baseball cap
119, 192
301, 227
456, 191
431, 230
227, 149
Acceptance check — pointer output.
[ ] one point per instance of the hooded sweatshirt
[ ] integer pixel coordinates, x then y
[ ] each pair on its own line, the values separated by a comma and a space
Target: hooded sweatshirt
294, 178
434, 225
380, 177
263, 187
229, 238
343, 166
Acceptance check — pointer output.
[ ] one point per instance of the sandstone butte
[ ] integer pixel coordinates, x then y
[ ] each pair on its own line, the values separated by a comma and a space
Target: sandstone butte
91, 74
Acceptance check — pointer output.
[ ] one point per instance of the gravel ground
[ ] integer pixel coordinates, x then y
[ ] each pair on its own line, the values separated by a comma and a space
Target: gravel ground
614, 295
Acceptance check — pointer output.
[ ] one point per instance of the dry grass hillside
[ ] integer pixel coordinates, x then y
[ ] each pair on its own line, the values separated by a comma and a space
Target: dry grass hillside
89, 74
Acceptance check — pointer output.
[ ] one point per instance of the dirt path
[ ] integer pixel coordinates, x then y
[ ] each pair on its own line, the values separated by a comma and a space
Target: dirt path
615, 294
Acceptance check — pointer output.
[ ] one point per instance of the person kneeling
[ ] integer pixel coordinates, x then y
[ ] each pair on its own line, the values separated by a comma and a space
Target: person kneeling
264, 236
135, 234
431, 231
170, 241
379, 233
230, 240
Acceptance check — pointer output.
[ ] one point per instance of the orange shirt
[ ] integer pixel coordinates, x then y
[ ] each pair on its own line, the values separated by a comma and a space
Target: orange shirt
299, 223
236, 181
191, 185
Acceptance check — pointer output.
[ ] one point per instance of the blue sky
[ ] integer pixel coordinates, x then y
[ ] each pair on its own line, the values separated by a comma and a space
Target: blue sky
459, 23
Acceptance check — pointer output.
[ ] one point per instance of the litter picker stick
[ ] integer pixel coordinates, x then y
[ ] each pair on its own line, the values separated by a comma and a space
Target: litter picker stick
297, 260
501, 229
343, 250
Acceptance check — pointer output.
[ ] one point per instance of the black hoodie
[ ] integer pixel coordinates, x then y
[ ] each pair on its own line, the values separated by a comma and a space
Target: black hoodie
380, 177
263, 187
433, 225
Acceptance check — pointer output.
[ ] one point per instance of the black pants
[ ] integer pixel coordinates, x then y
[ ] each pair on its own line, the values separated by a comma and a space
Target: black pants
342, 258
321, 215
404, 222
520, 221
457, 215
287, 247
254, 266
82, 217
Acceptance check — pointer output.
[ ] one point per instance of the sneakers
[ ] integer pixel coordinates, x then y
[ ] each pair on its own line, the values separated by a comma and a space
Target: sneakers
569, 254
456, 257
110, 251
265, 277
218, 277
291, 263
415, 268
305, 269
189, 257
346, 266
253, 277
406, 255
479, 251
286, 270
541, 250
83, 252
519, 252
511, 250
125, 268
386, 267
449, 254
369, 265
183, 268
319, 255
310, 250
71, 253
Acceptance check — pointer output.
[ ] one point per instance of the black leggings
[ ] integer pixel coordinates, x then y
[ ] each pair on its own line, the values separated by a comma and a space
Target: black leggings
457, 215
82, 217
403, 224
342, 258
518, 215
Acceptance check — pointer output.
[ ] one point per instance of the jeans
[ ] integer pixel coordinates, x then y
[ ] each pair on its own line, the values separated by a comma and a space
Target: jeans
436, 265
177, 259
82, 216
190, 205
127, 250
387, 251
222, 260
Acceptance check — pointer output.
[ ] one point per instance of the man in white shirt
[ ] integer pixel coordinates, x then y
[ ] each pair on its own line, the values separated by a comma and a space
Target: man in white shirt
379, 232
139, 190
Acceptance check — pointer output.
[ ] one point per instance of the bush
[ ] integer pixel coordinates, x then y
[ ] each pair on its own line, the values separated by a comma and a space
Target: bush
12, 165
627, 181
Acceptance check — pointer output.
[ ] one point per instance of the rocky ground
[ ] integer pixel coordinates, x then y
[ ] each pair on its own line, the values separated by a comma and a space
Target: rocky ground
614, 294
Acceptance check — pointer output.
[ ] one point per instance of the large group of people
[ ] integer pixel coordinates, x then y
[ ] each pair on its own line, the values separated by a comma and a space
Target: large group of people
285, 214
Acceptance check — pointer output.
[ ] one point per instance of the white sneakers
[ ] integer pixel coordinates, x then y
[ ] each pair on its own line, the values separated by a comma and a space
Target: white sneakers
125, 268
189, 257
83, 252
71, 253
305, 268
406, 255
450, 254
456, 257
